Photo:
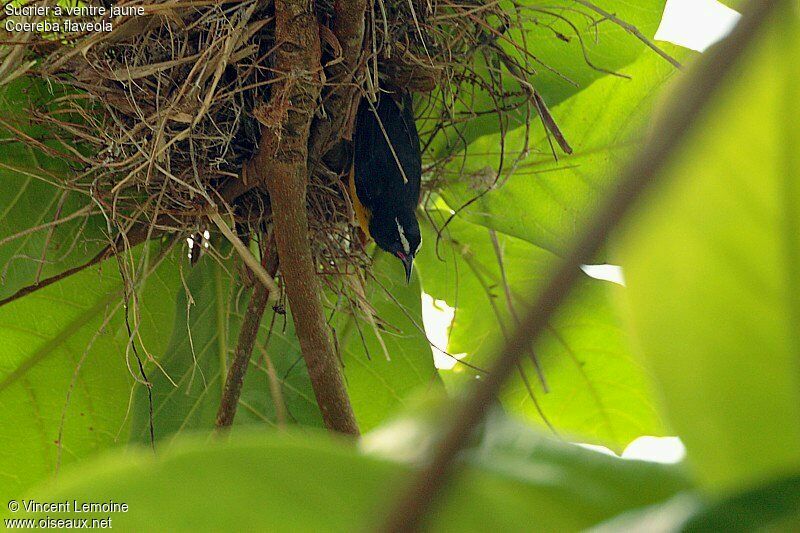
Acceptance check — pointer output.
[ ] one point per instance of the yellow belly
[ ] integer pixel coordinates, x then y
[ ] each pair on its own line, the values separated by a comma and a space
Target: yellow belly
363, 214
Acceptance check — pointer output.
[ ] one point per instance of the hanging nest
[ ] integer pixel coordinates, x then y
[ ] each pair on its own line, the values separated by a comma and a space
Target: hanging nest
157, 117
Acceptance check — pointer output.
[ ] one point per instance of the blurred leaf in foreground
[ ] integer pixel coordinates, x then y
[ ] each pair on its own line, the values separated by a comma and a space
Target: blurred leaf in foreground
313, 482
713, 269
771, 507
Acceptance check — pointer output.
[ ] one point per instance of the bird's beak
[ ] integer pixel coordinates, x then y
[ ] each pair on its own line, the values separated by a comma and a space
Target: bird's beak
408, 264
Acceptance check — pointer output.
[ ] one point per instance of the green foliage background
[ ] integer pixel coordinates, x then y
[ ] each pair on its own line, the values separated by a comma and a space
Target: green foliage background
702, 342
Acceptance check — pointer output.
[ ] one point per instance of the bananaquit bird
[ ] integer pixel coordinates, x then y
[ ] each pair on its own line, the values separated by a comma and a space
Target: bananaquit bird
386, 174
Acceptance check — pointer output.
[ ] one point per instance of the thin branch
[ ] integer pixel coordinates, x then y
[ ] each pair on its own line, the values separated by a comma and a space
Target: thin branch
28, 289
276, 392
498, 252
633, 30
84, 211
549, 123
248, 258
136, 236
681, 112
241, 359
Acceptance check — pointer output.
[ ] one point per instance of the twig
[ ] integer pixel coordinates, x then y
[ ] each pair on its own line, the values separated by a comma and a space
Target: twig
498, 252
684, 108
28, 289
275, 392
248, 258
241, 359
147, 383
549, 123
633, 30
135, 236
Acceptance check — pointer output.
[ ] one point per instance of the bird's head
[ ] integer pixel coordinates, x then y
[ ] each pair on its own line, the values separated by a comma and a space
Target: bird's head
400, 236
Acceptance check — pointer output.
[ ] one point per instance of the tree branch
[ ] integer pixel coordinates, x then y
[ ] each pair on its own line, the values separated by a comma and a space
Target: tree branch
348, 27
135, 236
633, 30
251, 262
340, 103
683, 109
241, 359
280, 166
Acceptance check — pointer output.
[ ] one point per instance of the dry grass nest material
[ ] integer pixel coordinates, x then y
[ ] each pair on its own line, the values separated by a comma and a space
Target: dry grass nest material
157, 117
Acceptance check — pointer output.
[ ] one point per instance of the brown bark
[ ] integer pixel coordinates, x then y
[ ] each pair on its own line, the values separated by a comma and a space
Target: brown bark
244, 350
340, 102
281, 167
348, 28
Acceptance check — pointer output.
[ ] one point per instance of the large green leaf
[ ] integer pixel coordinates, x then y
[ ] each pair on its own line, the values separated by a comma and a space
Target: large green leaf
774, 506
65, 369
311, 482
66, 364
771, 507
379, 380
563, 45
712, 268
188, 382
543, 200
608, 46
597, 391
35, 242
187, 393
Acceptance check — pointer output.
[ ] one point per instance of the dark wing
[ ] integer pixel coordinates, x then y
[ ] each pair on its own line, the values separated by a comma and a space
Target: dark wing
412, 159
377, 173
367, 160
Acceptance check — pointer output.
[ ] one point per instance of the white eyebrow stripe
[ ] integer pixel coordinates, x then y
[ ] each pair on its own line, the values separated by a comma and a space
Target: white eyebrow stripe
403, 240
